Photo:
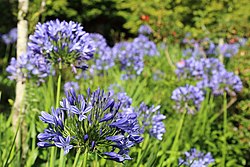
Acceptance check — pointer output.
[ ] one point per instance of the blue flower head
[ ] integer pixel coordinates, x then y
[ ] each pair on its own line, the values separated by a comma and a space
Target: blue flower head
29, 65
10, 37
68, 85
93, 122
152, 120
64, 42
187, 98
145, 29
149, 117
195, 158
104, 58
228, 50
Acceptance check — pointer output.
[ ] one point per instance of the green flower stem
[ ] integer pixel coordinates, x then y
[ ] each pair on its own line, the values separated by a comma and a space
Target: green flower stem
85, 158
224, 153
77, 157
176, 140
59, 85
53, 150
61, 160
142, 150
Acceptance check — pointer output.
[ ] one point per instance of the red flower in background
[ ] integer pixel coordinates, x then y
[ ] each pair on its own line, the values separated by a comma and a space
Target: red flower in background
174, 33
233, 40
145, 18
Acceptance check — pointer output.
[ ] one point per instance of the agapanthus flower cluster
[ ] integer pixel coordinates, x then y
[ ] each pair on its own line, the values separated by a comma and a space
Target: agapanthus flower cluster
196, 51
206, 47
152, 120
93, 122
220, 82
195, 158
210, 73
103, 59
198, 68
145, 29
10, 37
52, 43
29, 65
145, 46
187, 98
70, 85
130, 59
228, 50
149, 118
130, 55
64, 42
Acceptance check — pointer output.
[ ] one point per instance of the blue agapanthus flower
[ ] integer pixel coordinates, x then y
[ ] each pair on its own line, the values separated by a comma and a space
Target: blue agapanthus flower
220, 82
199, 68
104, 58
210, 73
64, 42
94, 122
195, 158
228, 50
144, 45
149, 117
145, 29
29, 65
69, 85
10, 37
187, 98
196, 51
152, 120
131, 55
130, 60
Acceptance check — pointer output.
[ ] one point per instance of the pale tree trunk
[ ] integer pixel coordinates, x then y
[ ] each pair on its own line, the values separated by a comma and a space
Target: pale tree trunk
22, 38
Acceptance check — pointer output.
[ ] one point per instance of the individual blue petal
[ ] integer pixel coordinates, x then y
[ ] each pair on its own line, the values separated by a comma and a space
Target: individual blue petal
114, 156
44, 144
107, 117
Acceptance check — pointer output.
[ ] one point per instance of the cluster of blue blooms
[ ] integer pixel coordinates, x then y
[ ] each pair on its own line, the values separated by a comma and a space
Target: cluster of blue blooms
103, 59
70, 85
152, 120
208, 47
149, 117
10, 37
93, 122
29, 65
64, 42
129, 56
145, 29
209, 73
188, 98
195, 158
53, 43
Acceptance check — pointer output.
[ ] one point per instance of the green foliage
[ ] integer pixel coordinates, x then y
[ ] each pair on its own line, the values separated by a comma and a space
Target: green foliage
172, 19
96, 16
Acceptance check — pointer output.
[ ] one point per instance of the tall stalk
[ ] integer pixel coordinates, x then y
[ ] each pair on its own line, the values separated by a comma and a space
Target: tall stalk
85, 158
53, 149
176, 139
224, 149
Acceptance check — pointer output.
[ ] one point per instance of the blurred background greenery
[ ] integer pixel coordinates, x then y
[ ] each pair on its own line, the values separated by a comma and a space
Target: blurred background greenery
118, 19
